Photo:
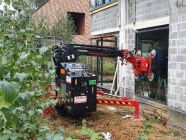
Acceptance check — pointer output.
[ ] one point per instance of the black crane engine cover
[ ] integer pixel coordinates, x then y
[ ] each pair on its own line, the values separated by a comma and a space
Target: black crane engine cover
78, 87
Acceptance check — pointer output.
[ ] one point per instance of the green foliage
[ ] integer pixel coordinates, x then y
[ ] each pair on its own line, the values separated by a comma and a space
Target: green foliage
87, 131
8, 93
25, 70
146, 132
83, 59
63, 27
108, 66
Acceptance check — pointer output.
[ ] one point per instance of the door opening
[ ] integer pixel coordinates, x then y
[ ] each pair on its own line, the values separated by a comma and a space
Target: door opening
147, 40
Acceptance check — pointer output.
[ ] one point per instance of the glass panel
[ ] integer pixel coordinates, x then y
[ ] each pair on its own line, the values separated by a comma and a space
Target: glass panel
147, 41
102, 2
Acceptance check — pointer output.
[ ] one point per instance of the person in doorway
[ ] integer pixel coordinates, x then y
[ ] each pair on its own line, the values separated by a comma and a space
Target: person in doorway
162, 72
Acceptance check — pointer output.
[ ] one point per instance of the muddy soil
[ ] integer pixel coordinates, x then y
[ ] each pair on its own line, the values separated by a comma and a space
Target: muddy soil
109, 119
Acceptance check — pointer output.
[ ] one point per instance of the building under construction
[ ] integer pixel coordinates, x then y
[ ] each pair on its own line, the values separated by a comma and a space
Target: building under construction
147, 25
141, 24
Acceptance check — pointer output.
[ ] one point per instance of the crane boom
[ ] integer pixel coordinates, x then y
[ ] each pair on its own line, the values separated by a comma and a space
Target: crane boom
70, 53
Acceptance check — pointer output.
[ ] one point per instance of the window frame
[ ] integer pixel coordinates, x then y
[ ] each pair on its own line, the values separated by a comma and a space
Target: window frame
103, 3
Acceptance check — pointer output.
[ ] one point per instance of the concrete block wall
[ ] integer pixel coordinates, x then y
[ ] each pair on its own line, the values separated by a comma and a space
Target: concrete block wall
130, 82
128, 87
177, 58
151, 9
105, 19
145, 10
156, 9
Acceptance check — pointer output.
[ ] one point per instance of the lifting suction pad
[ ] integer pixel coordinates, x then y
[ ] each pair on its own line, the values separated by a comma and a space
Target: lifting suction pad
153, 52
139, 53
151, 77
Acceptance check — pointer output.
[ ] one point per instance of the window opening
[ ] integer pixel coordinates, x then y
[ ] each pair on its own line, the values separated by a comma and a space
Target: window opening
102, 2
79, 22
147, 40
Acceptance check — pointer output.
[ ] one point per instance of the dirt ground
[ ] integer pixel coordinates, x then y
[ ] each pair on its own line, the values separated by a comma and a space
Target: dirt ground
109, 119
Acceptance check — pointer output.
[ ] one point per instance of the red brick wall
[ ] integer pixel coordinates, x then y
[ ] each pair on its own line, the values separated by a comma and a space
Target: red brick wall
52, 7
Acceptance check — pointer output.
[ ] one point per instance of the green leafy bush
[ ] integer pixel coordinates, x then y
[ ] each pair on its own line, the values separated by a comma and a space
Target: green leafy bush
25, 71
62, 27
143, 135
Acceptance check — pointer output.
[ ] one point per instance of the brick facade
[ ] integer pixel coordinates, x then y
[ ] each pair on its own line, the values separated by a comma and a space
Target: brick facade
52, 7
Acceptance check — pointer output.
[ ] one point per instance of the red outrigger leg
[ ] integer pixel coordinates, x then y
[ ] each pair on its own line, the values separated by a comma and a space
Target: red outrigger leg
120, 102
49, 110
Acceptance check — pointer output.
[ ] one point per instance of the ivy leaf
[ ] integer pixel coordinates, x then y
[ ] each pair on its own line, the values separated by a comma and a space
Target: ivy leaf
29, 30
40, 138
148, 127
141, 136
21, 76
23, 117
3, 103
1, 45
9, 119
8, 93
22, 30
26, 95
3, 72
40, 111
58, 137
44, 105
61, 130
34, 63
31, 113
53, 102
10, 35
7, 2
18, 109
4, 136
23, 56
47, 75
14, 136
39, 57
49, 64
37, 36
29, 126
44, 129
48, 136
42, 50
52, 72
4, 60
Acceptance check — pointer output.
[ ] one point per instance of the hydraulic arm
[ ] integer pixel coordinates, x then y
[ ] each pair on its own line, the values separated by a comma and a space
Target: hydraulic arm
70, 53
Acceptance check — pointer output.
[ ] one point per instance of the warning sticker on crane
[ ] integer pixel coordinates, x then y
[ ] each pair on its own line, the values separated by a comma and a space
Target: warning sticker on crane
68, 79
80, 99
